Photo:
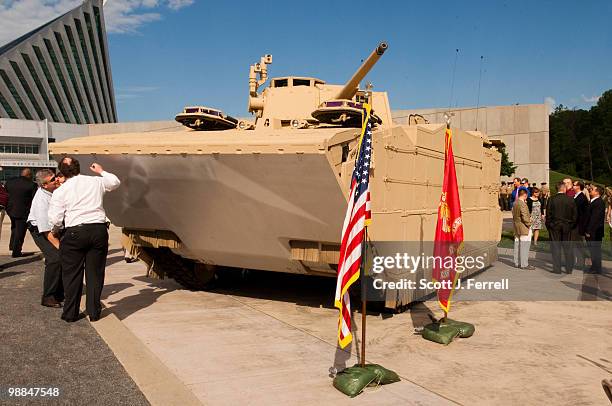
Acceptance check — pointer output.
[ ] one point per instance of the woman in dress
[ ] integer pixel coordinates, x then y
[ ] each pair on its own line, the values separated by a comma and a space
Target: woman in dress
535, 207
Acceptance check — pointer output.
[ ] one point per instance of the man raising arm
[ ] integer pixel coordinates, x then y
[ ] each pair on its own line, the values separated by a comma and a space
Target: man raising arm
84, 246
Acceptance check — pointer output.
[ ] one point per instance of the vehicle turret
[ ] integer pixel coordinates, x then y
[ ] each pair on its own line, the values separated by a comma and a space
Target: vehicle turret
298, 102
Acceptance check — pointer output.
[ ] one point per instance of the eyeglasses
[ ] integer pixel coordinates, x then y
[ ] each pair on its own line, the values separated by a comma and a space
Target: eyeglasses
51, 180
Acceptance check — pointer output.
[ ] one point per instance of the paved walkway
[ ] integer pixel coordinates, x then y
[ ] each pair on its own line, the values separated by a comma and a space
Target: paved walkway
272, 339
38, 349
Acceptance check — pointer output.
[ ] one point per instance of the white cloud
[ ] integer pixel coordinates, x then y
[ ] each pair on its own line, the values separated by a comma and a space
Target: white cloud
550, 103
133, 92
592, 99
138, 89
126, 96
18, 17
178, 4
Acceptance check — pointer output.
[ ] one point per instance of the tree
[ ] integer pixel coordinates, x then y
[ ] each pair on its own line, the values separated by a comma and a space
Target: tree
580, 141
507, 166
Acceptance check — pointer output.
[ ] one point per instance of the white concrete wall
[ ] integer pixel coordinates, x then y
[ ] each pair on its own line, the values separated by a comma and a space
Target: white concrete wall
24, 132
523, 128
61, 131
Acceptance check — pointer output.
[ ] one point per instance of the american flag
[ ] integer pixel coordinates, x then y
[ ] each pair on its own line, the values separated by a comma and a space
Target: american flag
358, 216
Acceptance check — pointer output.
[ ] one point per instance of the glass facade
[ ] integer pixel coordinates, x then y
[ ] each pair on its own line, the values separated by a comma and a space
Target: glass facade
19, 148
77, 60
9, 172
27, 89
92, 42
15, 94
73, 80
103, 52
60, 75
40, 86
7, 107
84, 50
45, 69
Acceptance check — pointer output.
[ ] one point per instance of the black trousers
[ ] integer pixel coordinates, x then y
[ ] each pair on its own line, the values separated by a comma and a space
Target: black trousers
52, 283
83, 249
580, 248
595, 249
561, 236
18, 233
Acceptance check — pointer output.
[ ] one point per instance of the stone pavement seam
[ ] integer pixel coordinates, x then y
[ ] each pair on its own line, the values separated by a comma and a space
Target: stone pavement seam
159, 385
331, 345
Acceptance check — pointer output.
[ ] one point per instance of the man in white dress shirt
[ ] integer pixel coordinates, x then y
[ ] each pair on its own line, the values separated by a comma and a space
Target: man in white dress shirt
40, 229
84, 246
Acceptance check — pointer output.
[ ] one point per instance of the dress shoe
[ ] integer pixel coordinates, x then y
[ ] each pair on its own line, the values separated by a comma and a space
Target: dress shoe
71, 320
50, 302
529, 268
16, 255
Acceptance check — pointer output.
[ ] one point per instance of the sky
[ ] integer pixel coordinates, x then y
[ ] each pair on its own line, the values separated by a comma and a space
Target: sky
166, 54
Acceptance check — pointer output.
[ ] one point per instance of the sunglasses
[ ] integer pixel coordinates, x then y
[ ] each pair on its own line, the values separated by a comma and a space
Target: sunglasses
51, 180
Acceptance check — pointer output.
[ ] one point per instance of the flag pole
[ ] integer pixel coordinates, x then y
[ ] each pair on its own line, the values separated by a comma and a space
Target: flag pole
363, 296
448, 126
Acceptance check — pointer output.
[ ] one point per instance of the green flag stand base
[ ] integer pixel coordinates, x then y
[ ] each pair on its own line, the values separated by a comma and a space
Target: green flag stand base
352, 381
444, 331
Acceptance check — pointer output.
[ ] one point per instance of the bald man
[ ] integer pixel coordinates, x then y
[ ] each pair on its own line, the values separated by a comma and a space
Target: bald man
21, 191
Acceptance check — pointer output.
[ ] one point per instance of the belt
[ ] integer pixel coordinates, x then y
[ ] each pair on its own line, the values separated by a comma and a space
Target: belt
83, 225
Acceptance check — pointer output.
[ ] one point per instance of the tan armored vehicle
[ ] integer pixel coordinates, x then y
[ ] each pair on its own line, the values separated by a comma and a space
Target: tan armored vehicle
271, 194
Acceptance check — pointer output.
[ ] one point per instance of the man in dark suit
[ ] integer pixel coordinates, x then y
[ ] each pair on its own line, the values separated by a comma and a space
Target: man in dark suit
560, 220
582, 205
594, 228
21, 191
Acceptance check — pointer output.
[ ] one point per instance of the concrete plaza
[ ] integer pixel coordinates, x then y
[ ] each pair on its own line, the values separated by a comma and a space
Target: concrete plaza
272, 340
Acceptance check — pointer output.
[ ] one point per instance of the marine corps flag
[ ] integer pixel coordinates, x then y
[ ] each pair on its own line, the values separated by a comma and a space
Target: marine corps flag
357, 218
449, 229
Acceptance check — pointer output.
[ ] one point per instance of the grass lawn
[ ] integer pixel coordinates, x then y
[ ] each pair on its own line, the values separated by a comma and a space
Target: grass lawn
556, 177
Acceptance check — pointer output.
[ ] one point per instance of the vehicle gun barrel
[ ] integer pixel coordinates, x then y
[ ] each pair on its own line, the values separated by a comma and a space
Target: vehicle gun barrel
351, 87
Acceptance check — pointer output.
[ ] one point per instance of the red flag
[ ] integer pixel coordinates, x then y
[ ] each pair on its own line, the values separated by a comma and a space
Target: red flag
449, 229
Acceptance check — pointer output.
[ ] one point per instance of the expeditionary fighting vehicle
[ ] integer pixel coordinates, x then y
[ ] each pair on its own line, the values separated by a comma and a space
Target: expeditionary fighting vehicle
271, 194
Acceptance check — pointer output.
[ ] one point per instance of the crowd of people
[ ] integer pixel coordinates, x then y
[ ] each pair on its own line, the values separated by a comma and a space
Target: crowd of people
575, 217
63, 212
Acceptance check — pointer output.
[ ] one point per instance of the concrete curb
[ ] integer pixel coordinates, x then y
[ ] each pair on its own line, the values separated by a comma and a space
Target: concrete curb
154, 379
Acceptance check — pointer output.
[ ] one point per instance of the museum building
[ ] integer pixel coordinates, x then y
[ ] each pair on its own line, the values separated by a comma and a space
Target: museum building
57, 73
